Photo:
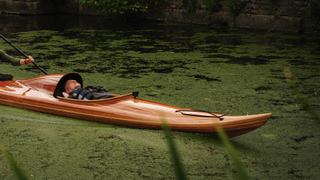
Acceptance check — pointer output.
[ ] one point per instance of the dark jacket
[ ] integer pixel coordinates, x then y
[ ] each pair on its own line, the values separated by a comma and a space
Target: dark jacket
6, 58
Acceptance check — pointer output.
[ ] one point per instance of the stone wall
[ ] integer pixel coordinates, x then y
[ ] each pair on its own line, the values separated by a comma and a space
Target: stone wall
275, 15
28, 7
285, 15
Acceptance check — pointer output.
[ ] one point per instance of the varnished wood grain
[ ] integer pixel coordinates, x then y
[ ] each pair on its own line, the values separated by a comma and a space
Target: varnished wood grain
37, 94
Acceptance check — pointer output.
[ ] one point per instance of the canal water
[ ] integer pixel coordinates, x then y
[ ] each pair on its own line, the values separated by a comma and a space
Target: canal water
219, 69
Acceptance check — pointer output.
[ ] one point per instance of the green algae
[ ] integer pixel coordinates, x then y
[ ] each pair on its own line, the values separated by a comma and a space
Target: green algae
231, 71
13, 165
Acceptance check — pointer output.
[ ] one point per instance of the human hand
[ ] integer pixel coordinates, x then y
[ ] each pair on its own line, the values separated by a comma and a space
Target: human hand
26, 61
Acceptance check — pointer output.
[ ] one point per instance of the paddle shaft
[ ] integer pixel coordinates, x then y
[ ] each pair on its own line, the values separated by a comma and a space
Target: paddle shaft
9, 42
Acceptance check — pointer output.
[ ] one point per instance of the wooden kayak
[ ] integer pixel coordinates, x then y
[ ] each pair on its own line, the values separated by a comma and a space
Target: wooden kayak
44, 94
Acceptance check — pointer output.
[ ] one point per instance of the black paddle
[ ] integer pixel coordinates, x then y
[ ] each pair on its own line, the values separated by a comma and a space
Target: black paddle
45, 72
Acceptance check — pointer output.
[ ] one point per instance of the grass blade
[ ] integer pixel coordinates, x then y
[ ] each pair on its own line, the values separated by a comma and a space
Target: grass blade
242, 172
13, 165
179, 170
304, 103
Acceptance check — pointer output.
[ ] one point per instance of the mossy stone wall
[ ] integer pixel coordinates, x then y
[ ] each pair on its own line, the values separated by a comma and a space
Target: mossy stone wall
274, 15
277, 15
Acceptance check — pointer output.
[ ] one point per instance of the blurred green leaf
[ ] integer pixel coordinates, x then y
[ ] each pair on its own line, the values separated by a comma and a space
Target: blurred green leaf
296, 92
173, 150
242, 172
12, 164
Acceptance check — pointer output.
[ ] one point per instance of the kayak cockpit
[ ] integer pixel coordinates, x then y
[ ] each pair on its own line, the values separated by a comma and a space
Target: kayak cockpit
116, 98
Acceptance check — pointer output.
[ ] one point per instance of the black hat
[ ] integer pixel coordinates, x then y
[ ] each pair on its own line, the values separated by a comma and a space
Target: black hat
60, 86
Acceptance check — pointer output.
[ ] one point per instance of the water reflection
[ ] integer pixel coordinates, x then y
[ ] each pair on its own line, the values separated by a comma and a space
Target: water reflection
15, 23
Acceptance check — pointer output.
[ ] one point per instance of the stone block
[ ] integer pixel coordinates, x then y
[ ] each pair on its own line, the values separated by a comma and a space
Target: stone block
262, 2
28, 7
285, 3
88, 10
288, 24
167, 15
300, 3
255, 21
285, 24
221, 17
307, 27
292, 11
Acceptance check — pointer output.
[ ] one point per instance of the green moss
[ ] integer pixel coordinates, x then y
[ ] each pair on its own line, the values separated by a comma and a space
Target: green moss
230, 71
191, 5
212, 5
233, 7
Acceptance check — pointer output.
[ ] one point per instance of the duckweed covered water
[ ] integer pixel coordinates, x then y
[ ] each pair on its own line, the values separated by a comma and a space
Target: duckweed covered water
224, 70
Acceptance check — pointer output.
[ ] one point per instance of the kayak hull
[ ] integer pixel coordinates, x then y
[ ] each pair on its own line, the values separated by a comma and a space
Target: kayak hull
126, 110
